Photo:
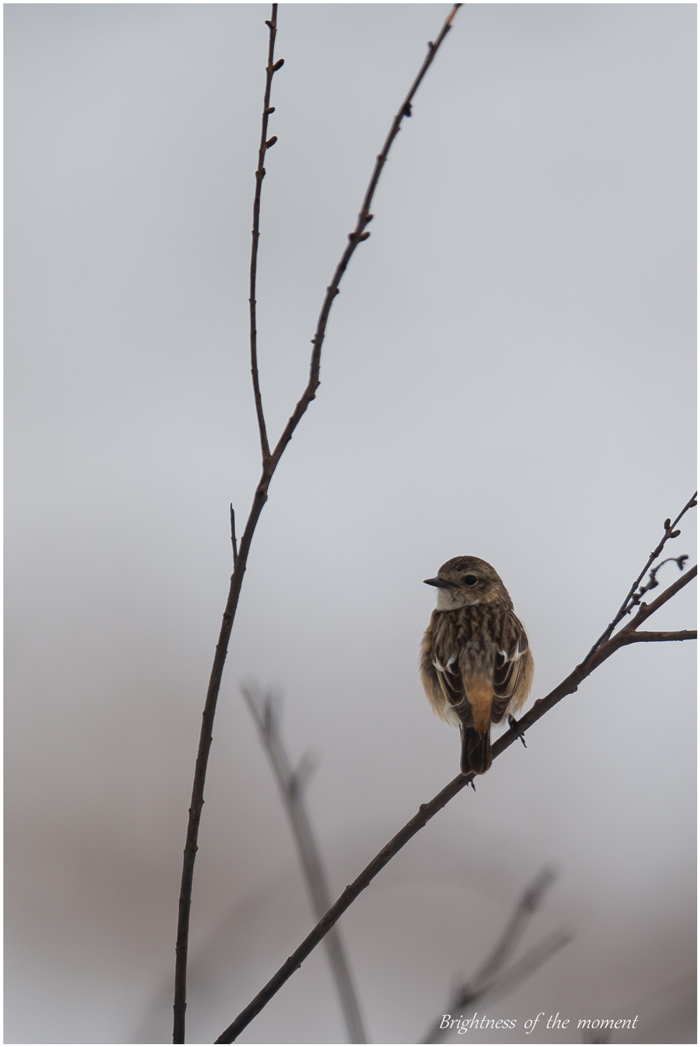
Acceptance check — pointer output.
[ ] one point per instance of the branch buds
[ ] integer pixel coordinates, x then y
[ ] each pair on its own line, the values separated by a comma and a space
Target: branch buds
278, 65
408, 109
270, 109
270, 142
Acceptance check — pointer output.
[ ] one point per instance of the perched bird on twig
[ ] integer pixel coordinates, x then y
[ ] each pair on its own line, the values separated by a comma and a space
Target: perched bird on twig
476, 662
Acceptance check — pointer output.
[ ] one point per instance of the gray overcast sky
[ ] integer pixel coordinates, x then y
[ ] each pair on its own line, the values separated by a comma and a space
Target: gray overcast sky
509, 372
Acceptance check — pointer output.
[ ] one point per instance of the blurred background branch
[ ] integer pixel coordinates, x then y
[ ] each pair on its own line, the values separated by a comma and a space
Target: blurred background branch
491, 980
292, 785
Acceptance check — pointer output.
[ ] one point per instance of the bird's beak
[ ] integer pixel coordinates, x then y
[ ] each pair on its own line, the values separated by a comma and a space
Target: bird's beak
437, 582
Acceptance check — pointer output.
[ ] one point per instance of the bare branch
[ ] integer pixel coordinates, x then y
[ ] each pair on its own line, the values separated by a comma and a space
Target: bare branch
270, 463
429, 810
629, 633
234, 543
357, 236
505, 983
490, 980
522, 914
265, 144
652, 582
660, 637
646, 610
634, 595
291, 785
526, 965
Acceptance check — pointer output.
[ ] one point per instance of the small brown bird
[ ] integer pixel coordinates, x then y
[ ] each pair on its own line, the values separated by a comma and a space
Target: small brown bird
476, 662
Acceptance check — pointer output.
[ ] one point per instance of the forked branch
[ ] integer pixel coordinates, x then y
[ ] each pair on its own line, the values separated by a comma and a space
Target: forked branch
270, 461
491, 980
635, 594
601, 651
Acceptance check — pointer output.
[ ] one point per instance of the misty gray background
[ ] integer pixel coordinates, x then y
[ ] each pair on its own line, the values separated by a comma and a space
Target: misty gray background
508, 372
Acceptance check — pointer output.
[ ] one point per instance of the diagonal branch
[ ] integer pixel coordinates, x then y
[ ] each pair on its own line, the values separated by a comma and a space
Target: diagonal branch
630, 635
269, 465
646, 610
291, 785
634, 595
428, 810
357, 236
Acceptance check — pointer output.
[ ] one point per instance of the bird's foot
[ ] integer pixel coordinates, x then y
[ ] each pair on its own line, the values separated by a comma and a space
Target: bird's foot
514, 726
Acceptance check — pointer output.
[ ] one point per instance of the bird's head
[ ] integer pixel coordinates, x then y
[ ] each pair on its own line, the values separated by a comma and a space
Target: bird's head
466, 580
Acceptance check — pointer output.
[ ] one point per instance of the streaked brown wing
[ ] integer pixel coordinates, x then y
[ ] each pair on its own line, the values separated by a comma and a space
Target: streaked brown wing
507, 672
450, 679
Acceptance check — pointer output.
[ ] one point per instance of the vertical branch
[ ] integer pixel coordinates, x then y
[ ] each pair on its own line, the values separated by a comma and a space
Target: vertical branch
292, 785
269, 465
234, 542
240, 558
265, 144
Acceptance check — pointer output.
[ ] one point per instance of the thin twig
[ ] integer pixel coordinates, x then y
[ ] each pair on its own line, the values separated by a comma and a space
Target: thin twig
429, 810
292, 785
629, 633
646, 610
357, 236
270, 463
660, 637
490, 980
234, 543
634, 595
265, 144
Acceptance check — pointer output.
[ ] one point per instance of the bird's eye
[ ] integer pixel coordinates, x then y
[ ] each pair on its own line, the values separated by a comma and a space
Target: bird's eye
469, 579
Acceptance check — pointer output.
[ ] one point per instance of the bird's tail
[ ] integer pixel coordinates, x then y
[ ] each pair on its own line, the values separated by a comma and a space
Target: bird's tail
476, 750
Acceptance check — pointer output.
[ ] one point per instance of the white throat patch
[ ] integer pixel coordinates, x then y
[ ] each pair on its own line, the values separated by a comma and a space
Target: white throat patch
450, 600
